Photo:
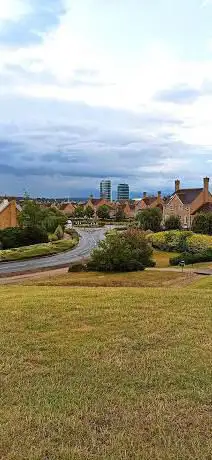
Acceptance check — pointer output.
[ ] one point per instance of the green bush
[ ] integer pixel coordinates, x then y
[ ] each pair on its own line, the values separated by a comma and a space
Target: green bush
150, 219
72, 232
171, 241
198, 243
52, 237
173, 223
122, 252
189, 258
17, 237
202, 223
59, 232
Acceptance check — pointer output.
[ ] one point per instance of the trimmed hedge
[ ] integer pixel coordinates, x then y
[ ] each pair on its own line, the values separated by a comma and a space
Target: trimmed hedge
190, 258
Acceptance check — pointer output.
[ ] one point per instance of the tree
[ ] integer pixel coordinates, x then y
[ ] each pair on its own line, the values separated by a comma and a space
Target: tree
121, 252
33, 216
89, 212
202, 223
150, 219
173, 223
103, 212
79, 211
120, 215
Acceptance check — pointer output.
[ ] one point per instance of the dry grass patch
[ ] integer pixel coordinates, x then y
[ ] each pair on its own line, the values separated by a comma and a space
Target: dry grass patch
105, 373
134, 279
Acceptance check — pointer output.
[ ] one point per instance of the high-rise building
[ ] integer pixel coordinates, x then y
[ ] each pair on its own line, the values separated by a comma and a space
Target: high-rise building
106, 189
123, 192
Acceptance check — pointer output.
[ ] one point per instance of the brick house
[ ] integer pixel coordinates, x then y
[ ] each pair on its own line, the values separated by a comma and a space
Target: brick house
187, 202
9, 211
68, 208
150, 202
95, 204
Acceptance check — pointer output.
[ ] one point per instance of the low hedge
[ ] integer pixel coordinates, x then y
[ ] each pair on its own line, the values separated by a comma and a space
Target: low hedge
190, 258
37, 250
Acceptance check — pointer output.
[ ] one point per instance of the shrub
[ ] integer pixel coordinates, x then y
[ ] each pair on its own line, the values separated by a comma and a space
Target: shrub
17, 237
72, 232
77, 267
52, 237
150, 219
189, 258
173, 223
173, 240
121, 252
199, 243
59, 232
202, 223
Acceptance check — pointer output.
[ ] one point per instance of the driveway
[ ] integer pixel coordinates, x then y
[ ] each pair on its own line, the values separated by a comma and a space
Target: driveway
88, 241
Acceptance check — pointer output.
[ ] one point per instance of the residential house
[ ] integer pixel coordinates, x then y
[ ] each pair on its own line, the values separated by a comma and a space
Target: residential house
9, 211
95, 203
150, 202
68, 208
187, 202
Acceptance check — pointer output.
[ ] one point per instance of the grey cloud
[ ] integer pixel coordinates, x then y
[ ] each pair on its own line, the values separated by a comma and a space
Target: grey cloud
184, 94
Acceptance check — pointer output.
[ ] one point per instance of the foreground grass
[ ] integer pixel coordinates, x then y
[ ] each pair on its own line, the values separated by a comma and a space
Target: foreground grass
162, 258
204, 283
37, 250
105, 373
134, 279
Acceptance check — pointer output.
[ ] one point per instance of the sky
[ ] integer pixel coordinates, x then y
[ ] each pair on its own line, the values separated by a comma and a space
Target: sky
94, 89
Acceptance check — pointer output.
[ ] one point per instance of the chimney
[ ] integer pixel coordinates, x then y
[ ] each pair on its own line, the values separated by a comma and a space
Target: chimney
206, 189
144, 195
177, 185
159, 195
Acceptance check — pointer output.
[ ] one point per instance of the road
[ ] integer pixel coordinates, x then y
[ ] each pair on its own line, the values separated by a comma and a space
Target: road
88, 241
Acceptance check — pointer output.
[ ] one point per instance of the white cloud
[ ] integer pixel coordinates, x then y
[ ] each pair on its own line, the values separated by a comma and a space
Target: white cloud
13, 10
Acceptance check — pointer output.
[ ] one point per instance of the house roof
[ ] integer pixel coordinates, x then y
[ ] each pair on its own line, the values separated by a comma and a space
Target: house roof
206, 207
149, 200
187, 195
5, 203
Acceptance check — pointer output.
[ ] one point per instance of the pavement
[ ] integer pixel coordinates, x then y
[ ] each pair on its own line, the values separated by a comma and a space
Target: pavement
89, 239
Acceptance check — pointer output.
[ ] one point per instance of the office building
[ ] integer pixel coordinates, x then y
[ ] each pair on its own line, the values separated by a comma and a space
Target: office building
106, 190
123, 192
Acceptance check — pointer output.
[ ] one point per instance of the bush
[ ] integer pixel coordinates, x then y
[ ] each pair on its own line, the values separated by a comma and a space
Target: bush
122, 252
59, 232
173, 240
72, 232
202, 223
77, 267
150, 219
173, 223
199, 243
52, 237
189, 258
17, 237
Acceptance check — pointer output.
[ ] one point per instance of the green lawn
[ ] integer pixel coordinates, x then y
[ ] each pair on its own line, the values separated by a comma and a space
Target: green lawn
204, 283
105, 373
162, 258
37, 250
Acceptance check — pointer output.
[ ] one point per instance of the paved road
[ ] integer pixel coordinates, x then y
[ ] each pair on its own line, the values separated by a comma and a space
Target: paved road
89, 239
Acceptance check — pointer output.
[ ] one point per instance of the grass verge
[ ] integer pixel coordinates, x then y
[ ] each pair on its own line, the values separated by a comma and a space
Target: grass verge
37, 250
105, 374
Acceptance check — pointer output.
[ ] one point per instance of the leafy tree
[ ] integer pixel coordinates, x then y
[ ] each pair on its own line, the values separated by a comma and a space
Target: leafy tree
79, 211
173, 223
103, 212
150, 219
202, 223
121, 252
31, 214
120, 215
89, 212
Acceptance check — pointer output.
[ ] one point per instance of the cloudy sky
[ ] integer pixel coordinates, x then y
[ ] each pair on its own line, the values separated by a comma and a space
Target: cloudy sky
93, 89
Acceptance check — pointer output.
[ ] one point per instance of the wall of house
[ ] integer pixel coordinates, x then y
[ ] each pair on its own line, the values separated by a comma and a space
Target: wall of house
177, 208
9, 216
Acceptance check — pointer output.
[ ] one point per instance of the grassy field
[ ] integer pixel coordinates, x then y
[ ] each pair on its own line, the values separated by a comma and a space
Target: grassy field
204, 283
105, 373
134, 279
37, 250
162, 258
